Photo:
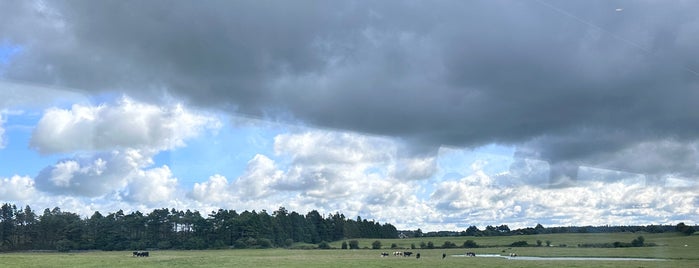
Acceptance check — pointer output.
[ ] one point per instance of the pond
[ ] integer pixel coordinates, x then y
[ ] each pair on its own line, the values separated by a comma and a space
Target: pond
527, 258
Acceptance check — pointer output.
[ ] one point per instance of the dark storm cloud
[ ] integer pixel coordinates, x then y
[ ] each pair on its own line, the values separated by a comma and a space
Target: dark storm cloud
571, 82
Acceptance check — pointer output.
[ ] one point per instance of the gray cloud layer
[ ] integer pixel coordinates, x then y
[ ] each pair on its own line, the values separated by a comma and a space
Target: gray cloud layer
566, 81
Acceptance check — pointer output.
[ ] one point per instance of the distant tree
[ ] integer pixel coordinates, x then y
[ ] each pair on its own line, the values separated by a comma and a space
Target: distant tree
685, 229
503, 229
394, 245
376, 244
288, 242
422, 244
412, 246
430, 245
539, 229
418, 233
7, 225
490, 231
548, 243
472, 231
538, 243
344, 245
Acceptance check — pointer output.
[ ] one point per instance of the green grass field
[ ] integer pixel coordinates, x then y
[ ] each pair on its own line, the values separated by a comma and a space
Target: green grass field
669, 246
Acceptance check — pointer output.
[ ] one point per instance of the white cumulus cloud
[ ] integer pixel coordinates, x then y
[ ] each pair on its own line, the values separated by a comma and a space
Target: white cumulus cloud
92, 175
114, 146
17, 188
126, 124
258, 178
482, 199
152, 186
214, 190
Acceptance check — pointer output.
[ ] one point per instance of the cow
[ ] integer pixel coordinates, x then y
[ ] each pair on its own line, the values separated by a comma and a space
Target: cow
407, 253
444, 255
417, 256
384, 254
141, 254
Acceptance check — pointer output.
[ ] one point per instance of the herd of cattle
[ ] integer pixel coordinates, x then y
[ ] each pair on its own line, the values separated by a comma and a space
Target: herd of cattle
408, 254
141, 254
401, 253
383, 254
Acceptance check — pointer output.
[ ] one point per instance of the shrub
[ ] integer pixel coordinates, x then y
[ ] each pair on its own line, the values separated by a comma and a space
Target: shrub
430, 245
376, 244
194, 243
394, 245
239, 244
519, 244
64, 245
323, 245
288, 242
448, 244
264, 243
354, 244
470, 244
638, 242
344, 245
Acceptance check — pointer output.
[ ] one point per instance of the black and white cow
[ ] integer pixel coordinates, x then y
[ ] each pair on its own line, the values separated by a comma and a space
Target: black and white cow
141, 254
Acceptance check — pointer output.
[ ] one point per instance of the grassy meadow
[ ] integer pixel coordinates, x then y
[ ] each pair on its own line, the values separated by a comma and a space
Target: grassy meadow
669, 246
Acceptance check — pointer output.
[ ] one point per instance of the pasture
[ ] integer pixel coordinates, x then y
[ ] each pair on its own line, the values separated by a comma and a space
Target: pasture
669, 246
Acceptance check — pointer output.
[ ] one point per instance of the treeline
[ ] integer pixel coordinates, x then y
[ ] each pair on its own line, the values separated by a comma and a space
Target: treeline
23, 229
637, 242
504, 230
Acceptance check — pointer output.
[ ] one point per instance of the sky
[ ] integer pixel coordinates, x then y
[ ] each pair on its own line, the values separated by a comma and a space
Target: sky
436, 115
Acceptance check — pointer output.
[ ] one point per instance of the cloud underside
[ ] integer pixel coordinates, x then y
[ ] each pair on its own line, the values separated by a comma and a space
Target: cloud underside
572, 83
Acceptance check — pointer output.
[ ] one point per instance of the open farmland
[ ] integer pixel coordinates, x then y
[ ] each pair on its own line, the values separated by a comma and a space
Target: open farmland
669, 246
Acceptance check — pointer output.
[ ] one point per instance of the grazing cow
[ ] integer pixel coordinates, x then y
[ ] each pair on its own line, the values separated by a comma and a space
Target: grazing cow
407, 253
141, 254
444, 255
417, 256
384, 254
